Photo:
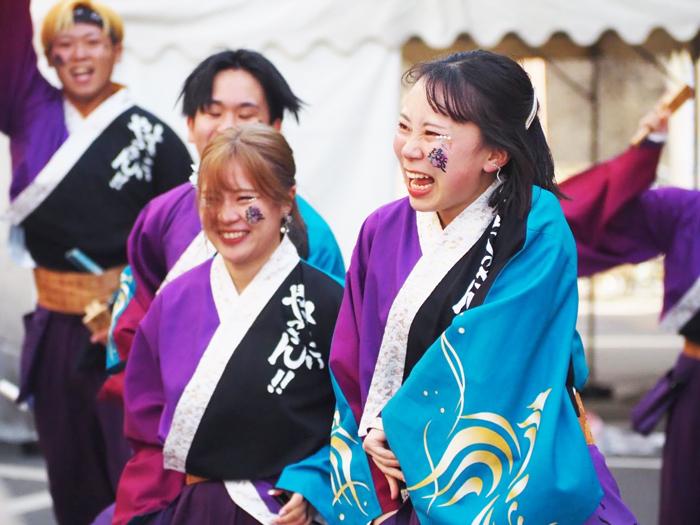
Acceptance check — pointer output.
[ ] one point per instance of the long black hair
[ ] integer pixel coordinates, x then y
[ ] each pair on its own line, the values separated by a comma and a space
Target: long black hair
495, 93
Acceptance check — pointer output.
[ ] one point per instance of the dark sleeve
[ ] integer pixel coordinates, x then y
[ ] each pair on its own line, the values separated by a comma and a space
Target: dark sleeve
172, 165
22, 88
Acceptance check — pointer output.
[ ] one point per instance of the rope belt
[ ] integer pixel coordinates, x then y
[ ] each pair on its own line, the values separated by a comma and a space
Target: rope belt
583, 421
691, 349
71, 292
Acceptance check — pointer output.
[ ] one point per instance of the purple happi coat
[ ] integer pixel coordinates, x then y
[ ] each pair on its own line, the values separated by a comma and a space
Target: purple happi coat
193, 405
617, 219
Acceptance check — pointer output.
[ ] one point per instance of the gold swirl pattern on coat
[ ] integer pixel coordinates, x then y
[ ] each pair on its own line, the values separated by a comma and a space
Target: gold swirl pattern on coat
494, 445
341, 459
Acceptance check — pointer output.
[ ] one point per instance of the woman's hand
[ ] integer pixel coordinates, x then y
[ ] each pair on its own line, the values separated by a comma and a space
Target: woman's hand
296, 511
375, 445
100, 337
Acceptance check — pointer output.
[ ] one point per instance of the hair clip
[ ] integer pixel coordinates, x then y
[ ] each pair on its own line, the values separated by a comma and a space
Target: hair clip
533, 111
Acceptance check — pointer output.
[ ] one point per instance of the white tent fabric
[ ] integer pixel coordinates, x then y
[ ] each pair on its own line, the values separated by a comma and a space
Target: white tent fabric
298, 25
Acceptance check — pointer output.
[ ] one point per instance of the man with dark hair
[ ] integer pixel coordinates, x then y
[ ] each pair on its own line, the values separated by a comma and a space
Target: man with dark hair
228, 88
85, 160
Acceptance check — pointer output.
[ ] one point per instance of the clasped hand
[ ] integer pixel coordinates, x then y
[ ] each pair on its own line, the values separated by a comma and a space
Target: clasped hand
375, 444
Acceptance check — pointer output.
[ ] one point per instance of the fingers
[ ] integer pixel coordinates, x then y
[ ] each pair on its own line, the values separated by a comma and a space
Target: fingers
393, 486
375, 445
100, 337
295, 512
390, 471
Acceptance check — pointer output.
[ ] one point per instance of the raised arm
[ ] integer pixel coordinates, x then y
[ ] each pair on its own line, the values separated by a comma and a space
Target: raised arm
31, 111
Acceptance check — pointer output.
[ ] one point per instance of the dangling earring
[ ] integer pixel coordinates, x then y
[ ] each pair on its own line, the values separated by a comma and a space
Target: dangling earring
498, 172
284, 229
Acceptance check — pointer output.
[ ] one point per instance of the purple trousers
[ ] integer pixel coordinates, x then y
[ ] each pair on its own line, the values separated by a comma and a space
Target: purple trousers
680, 471
611, 510
82, 440
208, 503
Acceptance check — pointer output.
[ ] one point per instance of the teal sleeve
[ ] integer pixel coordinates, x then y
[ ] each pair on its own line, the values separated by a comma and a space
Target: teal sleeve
324, 252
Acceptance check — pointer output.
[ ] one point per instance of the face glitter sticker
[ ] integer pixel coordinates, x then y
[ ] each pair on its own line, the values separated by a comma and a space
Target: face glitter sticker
446, 142
253, 215
438, 159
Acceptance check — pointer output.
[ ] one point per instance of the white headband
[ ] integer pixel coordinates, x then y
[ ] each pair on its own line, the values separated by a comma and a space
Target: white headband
533, 111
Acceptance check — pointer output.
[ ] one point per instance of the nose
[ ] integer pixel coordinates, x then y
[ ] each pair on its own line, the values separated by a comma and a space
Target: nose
412, 149
228, 120
229, 213
79, 50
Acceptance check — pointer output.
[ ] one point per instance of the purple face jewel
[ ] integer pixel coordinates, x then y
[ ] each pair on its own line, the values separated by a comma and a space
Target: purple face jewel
438, 159
253, 215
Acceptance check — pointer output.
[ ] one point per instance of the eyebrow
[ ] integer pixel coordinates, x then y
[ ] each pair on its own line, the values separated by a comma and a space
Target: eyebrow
426, 123
214, 102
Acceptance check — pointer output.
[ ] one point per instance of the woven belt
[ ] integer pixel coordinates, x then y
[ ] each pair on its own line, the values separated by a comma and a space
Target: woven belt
583, 421
691, 349
71, 292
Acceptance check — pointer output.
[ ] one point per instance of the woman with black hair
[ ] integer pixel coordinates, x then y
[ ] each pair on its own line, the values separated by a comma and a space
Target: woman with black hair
455, 357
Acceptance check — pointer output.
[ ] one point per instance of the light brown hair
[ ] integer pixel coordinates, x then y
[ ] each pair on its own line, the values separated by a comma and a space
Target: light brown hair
267, 159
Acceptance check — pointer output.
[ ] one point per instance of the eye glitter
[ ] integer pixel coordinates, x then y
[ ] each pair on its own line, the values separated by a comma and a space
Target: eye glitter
438, 159
253, 215
446, 142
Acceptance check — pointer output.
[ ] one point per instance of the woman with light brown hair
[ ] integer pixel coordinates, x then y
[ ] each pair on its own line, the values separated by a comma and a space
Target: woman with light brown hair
227, 387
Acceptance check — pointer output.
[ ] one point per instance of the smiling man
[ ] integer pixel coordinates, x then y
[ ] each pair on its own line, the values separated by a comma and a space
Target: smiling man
85, 161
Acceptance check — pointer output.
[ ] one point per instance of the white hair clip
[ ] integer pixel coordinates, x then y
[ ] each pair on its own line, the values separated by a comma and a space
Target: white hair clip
533, 111
194, 178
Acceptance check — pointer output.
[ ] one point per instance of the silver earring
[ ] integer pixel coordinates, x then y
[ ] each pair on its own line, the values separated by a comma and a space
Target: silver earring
498, 173
285, 225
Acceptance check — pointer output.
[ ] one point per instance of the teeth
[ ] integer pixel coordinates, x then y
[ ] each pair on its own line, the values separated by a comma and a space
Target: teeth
412, 175
233, 235
414, 184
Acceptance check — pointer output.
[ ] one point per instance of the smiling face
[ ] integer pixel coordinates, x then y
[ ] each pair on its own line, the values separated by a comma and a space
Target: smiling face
237, 98
242, 224
84, 57
444, 163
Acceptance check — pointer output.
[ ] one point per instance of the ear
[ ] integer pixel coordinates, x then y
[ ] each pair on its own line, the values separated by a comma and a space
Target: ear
118, 49
277, 124
498, 158
292, 194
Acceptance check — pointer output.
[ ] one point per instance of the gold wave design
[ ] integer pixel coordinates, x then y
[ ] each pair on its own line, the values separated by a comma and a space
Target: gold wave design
342, 483
494, 446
